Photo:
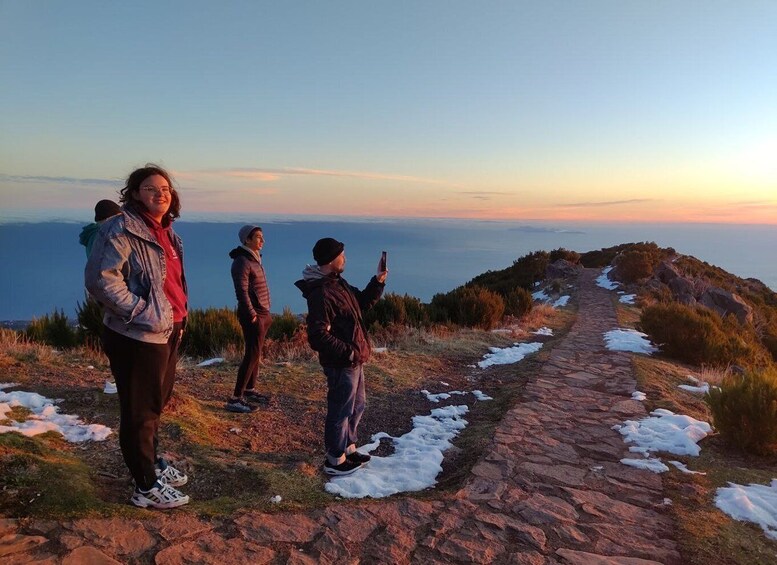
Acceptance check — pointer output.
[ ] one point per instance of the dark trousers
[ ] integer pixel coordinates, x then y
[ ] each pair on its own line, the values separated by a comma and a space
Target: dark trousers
145, 374
346, 399
254, 335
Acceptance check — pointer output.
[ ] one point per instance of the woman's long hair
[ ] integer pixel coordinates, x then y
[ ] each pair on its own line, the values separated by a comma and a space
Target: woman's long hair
132, 187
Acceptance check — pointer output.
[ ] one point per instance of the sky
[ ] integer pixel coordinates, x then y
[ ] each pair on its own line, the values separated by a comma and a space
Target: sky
644, 111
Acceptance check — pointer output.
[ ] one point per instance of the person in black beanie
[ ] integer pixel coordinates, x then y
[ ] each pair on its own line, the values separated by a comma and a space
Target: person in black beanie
337, 332
103, 210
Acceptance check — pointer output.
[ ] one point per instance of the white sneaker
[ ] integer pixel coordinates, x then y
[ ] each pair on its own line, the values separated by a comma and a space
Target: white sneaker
171, 476
160, 496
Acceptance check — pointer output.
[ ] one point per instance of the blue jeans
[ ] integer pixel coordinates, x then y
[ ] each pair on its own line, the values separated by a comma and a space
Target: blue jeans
345, 403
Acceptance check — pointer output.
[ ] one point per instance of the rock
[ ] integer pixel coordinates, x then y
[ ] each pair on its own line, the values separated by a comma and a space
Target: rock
122, 537
267, 528
539, 509
212, 548
724, 303
666, 272
17, 543
88, 555
683, 290
583, 558
561, 269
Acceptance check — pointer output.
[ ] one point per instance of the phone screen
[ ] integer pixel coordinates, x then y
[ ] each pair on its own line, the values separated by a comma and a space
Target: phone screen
383, 261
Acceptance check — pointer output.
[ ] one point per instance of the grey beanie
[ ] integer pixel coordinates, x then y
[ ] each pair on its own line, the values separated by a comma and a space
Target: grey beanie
246, 232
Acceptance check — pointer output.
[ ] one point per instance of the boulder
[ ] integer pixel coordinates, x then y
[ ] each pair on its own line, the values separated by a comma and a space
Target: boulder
666, 272
724, 303
683, 290
561, 269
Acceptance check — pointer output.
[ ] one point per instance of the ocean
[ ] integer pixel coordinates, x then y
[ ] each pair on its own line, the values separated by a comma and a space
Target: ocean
42, 263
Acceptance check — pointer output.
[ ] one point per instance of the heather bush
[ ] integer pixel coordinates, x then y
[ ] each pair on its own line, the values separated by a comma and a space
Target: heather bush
524, 272
469, 306
744, 410
89, 314
636, 265
561, 253
211, 330
284, 326
519, 302
404, 310
52, 329
699, 336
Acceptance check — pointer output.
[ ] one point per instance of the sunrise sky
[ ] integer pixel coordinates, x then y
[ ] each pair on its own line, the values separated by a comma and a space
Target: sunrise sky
639, 111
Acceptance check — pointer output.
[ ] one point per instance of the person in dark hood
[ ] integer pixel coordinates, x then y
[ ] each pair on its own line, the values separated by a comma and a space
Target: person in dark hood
337, 332
102, 211
253, 312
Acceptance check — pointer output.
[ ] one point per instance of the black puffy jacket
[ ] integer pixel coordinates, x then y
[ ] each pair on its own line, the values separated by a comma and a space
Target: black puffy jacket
335, 326
251, 291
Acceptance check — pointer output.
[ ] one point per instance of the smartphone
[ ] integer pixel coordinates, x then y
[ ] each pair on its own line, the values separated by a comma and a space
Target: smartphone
383, 262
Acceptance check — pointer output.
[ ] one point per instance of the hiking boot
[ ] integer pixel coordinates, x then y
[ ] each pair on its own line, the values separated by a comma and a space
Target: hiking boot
160, 496
345, 468
253, 396
239, 405
360, 458
169, 475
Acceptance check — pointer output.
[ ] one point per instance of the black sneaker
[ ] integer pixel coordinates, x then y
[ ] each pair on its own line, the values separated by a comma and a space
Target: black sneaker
345, 468
359, 458
253, 396
239, 405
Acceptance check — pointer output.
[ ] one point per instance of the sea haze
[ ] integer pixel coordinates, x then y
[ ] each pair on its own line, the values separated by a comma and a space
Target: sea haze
43, 262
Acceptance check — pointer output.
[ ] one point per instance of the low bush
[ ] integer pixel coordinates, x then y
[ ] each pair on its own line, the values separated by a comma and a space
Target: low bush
284, 326
744, 410
404, 310
561, 253
211, 330
470, 306
524, 272
89, 314
519, 302
699, 336
52, 329
636, 265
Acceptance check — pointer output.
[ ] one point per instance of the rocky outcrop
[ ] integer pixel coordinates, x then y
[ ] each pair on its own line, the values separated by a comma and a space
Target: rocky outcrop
562, 269
724, 303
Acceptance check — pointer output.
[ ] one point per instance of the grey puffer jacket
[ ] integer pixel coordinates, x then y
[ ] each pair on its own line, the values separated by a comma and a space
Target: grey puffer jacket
126, 272
335, 325
251, 290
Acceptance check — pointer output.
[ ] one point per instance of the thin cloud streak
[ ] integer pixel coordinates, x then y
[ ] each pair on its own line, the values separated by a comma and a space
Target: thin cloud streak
270, 174
607, 203
60, 180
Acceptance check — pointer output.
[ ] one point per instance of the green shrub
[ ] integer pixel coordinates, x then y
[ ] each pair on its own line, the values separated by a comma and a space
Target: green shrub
469, 306
210, 331
744, 411
524, 272
519, 302
284, 327
700, 336
561, 253
52, 329
636, 265
404, 310
90, 322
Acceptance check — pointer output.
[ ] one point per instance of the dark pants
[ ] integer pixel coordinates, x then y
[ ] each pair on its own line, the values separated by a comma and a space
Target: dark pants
345, 402
253, 334
145, 374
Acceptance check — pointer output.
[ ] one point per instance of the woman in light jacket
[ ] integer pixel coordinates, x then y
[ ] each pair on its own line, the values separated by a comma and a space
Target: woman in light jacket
136, 272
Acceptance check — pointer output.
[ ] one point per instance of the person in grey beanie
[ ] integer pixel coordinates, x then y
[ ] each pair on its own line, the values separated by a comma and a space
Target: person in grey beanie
337, 332
253, 312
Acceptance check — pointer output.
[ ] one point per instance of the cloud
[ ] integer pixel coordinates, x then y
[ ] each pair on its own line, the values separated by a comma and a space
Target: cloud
60, 180
270, 174
483, 194
606, 203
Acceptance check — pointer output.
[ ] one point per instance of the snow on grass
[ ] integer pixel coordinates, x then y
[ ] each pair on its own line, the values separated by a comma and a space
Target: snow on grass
45, 417
507, 355
209, 362
561, 301
480, 395
605, 282
753, 503
624, 339
685, 469
637, 395
627, 298
540, 295
110, 387
544, 330
654, 465
445, 395
415, 463
699, 387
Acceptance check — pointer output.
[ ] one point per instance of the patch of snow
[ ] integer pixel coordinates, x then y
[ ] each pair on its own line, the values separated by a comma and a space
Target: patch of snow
627, 298
753, 503
209, 362
624, 339
508, 355
605, 282
703, 388
443, 383
561, 301
540, 295
544, 330
665, 431
276, 499
481, 395
379, 349
654, 465
637, 395
45, 417
685, 469
435, 397
110, 387
415, 463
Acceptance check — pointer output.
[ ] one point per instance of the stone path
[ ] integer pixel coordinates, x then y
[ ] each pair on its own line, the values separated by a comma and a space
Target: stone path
550, 490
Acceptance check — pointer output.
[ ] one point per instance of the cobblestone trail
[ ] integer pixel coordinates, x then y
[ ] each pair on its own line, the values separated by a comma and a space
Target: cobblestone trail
549, 490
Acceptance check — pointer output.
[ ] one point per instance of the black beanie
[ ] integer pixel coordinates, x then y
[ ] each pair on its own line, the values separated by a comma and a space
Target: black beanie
105, 209
326, 250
